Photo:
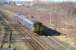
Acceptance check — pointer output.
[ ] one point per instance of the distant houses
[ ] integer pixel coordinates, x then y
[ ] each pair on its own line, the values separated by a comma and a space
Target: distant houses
18, 2
23, 2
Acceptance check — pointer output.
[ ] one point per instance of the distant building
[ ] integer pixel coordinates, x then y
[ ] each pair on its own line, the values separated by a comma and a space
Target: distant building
19, 2
41, 1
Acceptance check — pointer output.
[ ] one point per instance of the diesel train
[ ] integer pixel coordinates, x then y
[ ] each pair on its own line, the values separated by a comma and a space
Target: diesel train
31, 25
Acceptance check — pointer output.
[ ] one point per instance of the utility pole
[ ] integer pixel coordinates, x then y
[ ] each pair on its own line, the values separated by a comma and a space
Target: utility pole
10, 39
53, 25
50, 20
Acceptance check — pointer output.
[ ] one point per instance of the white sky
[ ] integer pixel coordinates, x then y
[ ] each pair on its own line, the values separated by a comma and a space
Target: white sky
63, 0
50, 0
22, 0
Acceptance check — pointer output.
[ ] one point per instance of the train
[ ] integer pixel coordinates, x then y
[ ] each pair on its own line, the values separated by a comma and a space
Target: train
31, 25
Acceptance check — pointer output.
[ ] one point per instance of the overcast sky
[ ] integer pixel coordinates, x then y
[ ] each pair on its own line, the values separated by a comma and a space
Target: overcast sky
63, 0
22, 0
49, 0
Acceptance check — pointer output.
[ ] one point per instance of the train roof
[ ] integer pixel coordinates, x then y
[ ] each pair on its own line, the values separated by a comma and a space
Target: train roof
25, 18
30, 19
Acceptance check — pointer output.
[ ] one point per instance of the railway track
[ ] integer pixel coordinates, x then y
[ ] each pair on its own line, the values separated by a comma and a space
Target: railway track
38, 43
7, 35
52, 42
7, 39
35, 42
42, 40
25, 35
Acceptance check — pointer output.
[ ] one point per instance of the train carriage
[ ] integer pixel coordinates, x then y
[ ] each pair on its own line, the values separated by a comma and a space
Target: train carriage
30, 25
